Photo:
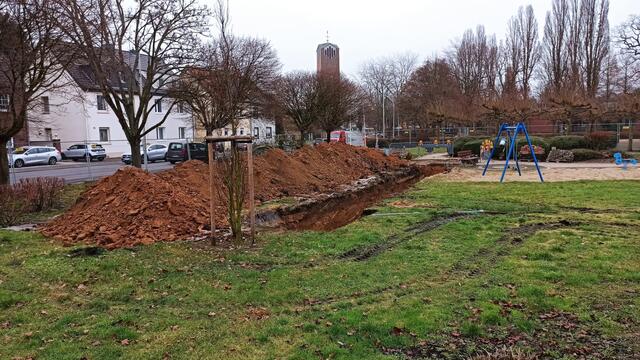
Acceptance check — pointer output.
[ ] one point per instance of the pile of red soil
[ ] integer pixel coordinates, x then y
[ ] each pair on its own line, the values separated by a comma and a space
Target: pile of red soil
134, 207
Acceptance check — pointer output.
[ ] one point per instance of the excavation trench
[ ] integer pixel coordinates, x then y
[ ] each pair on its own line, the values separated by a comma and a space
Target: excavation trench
327, 212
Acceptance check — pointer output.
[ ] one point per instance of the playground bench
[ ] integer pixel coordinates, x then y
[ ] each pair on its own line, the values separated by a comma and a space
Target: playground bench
467, 157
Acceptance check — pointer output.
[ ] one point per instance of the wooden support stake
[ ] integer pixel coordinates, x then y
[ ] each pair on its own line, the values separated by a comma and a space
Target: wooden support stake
252, 207
212, 158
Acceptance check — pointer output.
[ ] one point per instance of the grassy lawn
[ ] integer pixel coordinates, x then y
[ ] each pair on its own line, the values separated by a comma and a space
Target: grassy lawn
548, 269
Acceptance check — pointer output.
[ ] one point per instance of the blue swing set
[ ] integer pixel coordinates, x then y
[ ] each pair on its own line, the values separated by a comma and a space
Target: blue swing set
512, 134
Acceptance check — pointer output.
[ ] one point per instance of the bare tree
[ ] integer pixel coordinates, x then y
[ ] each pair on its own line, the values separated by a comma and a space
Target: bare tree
134, 53
523, 47
384, 78
32, 61
339, 100
629, 35
227, 84
574, 46
474, 63
297, 95
595, 17
554, 50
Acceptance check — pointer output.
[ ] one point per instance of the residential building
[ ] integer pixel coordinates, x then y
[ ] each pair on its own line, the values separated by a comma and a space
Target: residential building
263, 130
77, 112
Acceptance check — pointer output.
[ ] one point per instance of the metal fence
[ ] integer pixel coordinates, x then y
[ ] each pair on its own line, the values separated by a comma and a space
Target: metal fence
398, 138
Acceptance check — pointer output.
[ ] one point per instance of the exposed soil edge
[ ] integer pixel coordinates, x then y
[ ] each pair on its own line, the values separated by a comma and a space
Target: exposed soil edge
326, 212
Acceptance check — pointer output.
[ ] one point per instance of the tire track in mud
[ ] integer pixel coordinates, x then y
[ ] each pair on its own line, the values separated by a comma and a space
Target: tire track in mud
511, 238
366, 252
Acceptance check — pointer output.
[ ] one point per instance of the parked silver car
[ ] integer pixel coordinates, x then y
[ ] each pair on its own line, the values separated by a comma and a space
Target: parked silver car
155, 152
34, 155
81, 152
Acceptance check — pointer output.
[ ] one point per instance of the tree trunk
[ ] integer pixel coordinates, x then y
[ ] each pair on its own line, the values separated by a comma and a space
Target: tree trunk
328, 136
136, 158
302, 134
630, 144
4, 163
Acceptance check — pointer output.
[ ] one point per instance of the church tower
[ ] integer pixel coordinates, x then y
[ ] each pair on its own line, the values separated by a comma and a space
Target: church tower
328, 56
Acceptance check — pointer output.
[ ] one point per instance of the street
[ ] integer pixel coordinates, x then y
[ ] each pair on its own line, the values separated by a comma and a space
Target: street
75, 172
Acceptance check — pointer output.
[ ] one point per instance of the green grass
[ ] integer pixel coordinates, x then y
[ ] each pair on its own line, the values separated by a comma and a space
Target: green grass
294, 297
420, 151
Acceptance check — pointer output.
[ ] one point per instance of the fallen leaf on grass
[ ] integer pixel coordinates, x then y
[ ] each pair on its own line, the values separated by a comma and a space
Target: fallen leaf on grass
124, 342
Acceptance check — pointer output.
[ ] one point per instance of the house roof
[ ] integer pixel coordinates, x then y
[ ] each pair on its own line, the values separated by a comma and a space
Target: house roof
83, 74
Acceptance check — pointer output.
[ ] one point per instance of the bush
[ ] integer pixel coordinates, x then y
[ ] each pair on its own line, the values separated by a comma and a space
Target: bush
12, 206
602, 140
568, 142
459, 143
29, 195
535, 140
473, 145
382, 143
586, 154
41, 193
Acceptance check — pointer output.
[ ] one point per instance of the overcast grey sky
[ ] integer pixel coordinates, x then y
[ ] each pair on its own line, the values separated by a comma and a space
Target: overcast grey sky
366, 29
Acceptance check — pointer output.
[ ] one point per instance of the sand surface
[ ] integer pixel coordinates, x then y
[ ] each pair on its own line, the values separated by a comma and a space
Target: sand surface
549, 174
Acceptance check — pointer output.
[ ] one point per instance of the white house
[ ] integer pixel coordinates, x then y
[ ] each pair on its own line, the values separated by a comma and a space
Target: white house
263, 130
77, 113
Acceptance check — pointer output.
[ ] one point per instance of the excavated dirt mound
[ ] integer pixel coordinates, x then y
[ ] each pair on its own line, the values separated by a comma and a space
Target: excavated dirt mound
134, 207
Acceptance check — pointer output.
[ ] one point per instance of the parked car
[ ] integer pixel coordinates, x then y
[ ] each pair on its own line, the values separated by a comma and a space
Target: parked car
178, 152
81, 152
34, 155
155, 152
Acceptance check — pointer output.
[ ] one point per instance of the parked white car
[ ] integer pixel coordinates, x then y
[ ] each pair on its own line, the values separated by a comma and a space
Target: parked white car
155, 152
34, 155
81, 152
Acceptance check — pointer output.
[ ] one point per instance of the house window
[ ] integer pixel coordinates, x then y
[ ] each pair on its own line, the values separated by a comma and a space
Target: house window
45, 104
180, 108
102, 105
104, 134
158, 105
48, 135
182, 132
256, 132
269, 132
4, 103
160, 133
242, 131
226, 131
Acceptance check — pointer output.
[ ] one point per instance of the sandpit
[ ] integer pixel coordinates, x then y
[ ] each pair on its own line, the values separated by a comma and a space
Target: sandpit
133, 207
550, 174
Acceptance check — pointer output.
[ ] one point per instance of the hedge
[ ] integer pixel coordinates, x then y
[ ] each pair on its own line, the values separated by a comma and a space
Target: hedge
569, 142
459, 143
602, 140
586, 154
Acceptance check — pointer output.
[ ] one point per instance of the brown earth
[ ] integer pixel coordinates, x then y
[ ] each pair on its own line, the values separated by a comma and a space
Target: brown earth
134, 207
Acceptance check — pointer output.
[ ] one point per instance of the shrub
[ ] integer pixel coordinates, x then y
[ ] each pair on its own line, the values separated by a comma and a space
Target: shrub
602, 140
382, 143
535, 140
41, 193
586, 154
12, 206
459, 143
568, 142
473, 145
